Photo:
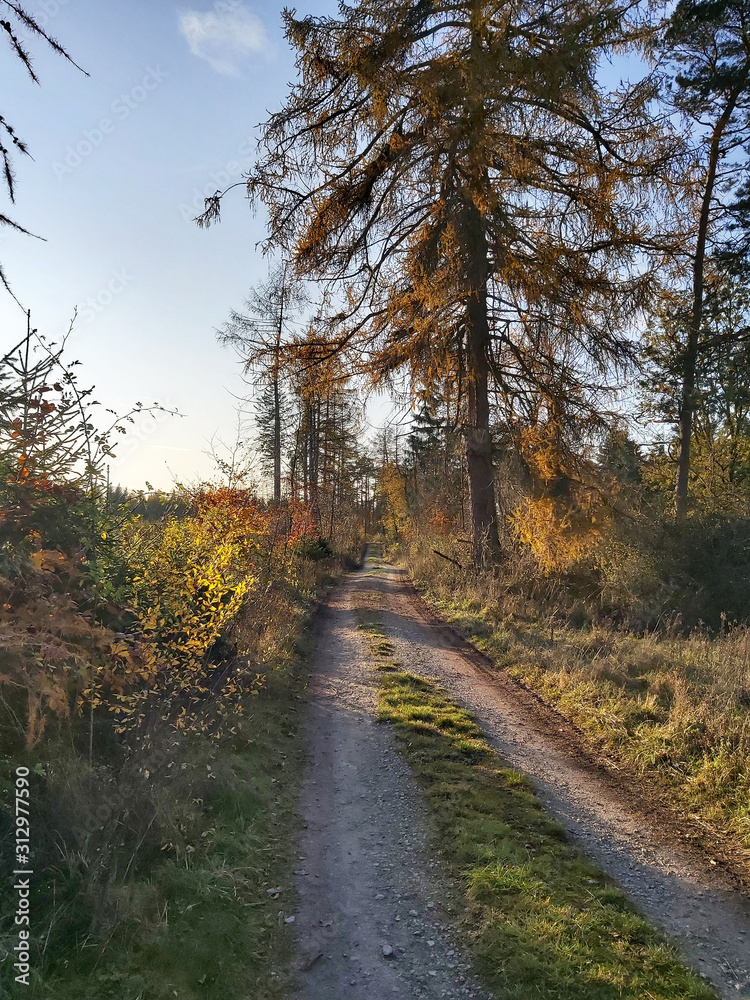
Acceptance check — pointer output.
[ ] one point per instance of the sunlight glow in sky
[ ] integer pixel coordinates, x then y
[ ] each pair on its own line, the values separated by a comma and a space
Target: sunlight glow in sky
122, 160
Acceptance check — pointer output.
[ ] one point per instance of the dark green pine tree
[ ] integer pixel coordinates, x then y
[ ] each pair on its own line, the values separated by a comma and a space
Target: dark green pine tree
427, 430
620, 457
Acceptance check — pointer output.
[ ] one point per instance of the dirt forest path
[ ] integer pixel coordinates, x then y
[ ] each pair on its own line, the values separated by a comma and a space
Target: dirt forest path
375, 918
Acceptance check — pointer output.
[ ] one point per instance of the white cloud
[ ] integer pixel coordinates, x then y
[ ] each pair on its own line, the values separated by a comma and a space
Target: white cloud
225, 35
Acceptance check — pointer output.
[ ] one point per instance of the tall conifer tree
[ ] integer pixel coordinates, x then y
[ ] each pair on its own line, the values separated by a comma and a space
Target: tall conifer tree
709, 44
456, 172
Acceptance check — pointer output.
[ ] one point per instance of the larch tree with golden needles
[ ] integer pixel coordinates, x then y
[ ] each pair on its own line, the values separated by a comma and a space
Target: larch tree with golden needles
454, 175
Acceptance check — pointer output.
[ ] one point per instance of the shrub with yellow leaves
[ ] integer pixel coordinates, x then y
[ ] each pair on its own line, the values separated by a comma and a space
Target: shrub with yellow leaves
190, 578
134, 624
557, 540
561, 521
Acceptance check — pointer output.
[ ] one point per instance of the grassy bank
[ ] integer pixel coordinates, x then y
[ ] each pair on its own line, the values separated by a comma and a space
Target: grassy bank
539, 918
153, 874
675, 708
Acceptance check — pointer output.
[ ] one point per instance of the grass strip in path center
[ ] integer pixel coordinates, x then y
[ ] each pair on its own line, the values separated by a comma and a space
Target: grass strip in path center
540, 919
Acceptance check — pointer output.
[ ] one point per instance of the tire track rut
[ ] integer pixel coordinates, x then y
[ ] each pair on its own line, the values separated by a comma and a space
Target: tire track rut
368, 876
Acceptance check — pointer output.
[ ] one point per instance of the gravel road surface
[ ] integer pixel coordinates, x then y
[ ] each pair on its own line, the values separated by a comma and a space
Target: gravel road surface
375, 917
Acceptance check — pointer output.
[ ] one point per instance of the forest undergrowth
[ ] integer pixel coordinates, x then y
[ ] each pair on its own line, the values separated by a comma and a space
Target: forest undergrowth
153, 655
163, 813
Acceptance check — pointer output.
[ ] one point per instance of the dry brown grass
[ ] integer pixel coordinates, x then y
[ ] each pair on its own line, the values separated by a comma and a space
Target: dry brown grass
674, 707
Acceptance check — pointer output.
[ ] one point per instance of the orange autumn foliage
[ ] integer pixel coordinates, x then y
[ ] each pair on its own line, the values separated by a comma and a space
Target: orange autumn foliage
561, 524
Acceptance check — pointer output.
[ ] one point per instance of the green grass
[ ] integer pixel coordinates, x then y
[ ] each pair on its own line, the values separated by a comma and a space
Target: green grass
379, 645
196, 922
541, 920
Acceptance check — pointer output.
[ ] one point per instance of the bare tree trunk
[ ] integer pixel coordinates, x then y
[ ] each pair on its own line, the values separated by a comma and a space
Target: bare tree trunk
306, 454
327, 480
687, 393
477, 439
276, 441
446, 432
294, 462
277, 398
315, 460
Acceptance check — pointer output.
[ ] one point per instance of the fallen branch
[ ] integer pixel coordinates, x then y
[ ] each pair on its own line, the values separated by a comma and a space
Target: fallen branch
448, 558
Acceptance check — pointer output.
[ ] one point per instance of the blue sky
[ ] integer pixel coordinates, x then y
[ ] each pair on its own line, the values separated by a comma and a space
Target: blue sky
122, 159
121, 162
